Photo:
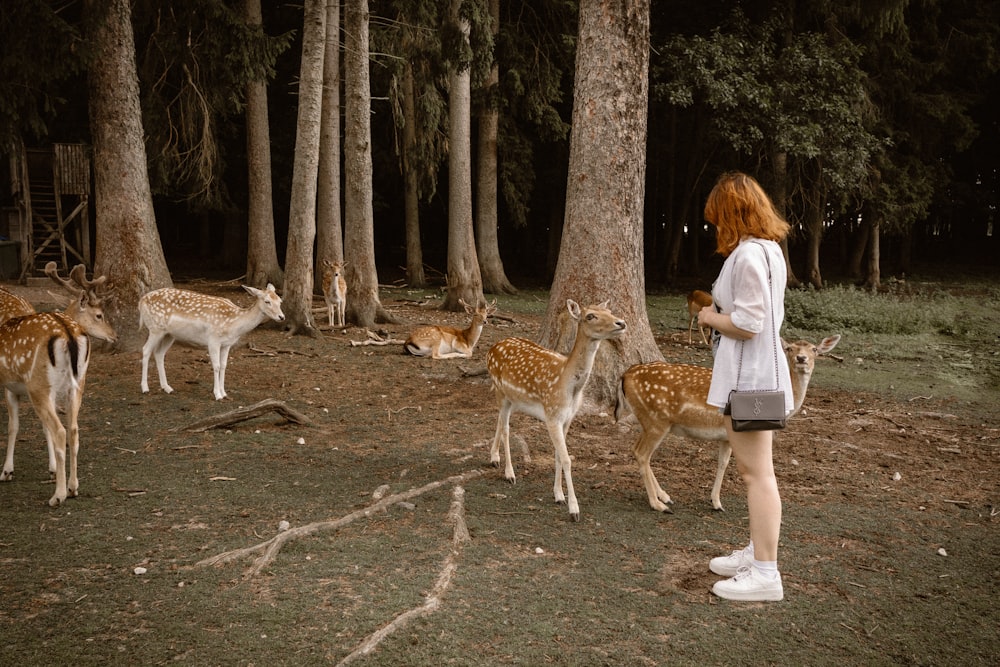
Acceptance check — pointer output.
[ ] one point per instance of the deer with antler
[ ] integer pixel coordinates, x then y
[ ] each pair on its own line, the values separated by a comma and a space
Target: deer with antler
549, 386
442, 342
671, 398
45, 356
201, 320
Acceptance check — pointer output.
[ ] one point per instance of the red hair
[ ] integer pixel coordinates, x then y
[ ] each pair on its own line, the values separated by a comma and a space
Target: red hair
739, 208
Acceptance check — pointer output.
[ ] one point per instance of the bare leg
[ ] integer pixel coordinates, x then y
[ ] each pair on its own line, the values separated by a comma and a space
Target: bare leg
752, 450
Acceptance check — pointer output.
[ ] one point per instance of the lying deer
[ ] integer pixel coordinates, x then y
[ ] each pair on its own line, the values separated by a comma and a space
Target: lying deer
697, 300
441, 342
45, 356
201, 320
549, 386
334, 292
670, 398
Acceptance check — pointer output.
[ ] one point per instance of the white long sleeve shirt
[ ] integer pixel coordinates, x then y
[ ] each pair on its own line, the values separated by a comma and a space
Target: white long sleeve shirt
742, 291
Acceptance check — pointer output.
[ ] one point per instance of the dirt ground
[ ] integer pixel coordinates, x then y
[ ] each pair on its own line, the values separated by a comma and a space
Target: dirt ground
890, 544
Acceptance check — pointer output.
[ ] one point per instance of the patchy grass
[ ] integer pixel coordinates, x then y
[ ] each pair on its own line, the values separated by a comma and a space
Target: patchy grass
865, 580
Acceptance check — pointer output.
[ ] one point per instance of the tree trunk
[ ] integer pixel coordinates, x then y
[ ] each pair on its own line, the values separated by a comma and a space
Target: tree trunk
464, 279
779, 197
262, 253
873, 280
329, 233
601, 255
411, 196
363, 305
128, 244
814, 215
298, 295
487, 244
859, 243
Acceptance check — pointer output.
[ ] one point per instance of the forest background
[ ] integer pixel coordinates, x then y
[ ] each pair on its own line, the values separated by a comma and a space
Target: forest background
873, 126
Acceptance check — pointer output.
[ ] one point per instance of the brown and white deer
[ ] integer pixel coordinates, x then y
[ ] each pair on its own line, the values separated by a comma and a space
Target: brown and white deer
441, 342
45, 356
670, 398
334, 292
200, 320
548, 386
697, 300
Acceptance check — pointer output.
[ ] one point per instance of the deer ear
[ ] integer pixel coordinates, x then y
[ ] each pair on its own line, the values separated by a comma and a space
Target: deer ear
252, 290
574, 309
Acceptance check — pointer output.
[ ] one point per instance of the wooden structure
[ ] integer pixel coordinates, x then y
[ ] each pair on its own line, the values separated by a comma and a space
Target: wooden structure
51, 191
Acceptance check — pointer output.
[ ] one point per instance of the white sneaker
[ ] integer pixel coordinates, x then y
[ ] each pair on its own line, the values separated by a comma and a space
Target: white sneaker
749, 585
728, 566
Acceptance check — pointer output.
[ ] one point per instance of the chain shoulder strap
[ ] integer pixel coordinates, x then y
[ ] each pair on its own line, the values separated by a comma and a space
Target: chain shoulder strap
774, 327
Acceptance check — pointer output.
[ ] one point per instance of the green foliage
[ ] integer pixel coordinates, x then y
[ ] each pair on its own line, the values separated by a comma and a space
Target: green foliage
842, 310
199, 57
39, 51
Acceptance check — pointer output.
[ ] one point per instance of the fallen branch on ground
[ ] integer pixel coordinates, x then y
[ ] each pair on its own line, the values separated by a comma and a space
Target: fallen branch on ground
270, 548
375, 339
460, 535
249, 412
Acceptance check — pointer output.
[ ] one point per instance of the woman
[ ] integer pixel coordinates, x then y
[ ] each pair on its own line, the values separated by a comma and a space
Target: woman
747, 315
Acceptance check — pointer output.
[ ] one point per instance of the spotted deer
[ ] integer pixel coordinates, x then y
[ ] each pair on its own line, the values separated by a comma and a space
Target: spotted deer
45, 356
548, 386
334, 292
441, 342
86, 311
670, 398
200, 320
697, 300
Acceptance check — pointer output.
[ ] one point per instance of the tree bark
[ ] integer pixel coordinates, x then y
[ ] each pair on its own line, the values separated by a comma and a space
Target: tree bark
298, 294
128, 244
779, 196
873, 280
487, 244
363, 306
329, 232
815, 208
601, 255
262, 252
465, 282
411, 196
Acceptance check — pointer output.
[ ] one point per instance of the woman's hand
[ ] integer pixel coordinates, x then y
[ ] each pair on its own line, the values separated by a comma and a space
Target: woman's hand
709, 317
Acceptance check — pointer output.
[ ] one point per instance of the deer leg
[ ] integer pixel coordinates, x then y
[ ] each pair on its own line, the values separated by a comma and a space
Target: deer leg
644, 449
73, 439
13, 424
563, 468
160, 347
341, 307
147, 349
46, 411
503, 435
215, 354
725, 451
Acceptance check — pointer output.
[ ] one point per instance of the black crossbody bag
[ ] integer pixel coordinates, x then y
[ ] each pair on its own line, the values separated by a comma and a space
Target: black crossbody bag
759, 410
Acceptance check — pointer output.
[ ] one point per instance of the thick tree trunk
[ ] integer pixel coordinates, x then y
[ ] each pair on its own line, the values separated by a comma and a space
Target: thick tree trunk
814, 215
487, 244
363, 305
465, 282
329, 232
601, 255
411, 195
262, 252
298, 295
128, 244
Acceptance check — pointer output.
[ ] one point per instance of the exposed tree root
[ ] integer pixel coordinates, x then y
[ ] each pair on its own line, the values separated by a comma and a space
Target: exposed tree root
249, 412
269, 549
460, 535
